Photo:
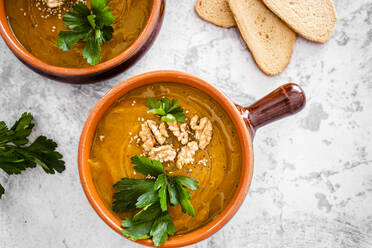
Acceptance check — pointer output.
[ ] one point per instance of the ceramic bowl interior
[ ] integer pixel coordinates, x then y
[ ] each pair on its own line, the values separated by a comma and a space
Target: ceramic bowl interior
26, 57
155, 77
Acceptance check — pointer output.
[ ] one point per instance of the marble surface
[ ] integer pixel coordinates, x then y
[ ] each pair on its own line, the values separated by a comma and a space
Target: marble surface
312, 184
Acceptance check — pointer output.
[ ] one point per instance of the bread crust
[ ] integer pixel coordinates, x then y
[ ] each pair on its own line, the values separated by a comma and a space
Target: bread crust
268, 38
312, 19
216, 12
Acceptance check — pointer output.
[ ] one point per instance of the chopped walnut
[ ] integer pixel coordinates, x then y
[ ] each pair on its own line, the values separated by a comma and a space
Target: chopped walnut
163, 130
54, 3
186, 155
160, 135
180, 132
163, 153
203, 162
146, 137
149, 177
203, 130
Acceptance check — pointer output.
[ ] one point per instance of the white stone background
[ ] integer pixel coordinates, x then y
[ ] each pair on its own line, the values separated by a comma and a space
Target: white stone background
312, 184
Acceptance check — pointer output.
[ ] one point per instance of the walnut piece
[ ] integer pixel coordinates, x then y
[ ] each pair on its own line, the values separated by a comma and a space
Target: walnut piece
186, 155
146, 137
163, 153
160, 135
203, 130
151, 132
179, 131
54, 3
163, 130
148, 128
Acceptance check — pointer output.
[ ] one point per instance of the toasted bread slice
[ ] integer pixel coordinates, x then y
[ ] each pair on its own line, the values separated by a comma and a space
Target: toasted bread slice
268, 38
216, 12
312, 19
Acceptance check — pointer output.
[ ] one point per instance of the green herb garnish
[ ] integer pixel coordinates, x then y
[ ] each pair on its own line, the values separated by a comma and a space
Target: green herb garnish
16, 155
152, 196
169, 111
93, 26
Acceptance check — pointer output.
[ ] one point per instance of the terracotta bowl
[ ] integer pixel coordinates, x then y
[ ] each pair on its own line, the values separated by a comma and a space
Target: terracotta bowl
286, 100
91, 74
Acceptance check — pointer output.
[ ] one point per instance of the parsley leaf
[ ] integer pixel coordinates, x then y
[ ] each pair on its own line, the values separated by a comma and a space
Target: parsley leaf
148, 214
93, 26
150, 222
102, 11
146, 167
147, 199
138, 193
169, 111
184, 199
161, 186
152, 196
171, 229
13, 163
42, 152
68, 38
139, 226
184, 195
136, 230
92, 50
187, 182
16, 155
77, 19
173, 194
19, 132
129, 191
159, 230
107, 32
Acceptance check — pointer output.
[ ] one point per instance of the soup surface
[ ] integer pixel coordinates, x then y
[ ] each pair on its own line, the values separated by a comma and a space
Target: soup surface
217, 168
36, 27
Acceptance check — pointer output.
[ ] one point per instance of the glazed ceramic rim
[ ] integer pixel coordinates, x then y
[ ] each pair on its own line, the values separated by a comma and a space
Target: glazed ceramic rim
12, 42
121, 89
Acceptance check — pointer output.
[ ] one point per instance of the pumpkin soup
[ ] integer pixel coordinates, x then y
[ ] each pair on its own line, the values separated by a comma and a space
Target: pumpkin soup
198, 141
37, 23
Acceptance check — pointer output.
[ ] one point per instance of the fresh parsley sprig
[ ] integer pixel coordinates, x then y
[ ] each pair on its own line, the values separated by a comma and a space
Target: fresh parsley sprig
16, 155
152, 196
93, 26
169, 111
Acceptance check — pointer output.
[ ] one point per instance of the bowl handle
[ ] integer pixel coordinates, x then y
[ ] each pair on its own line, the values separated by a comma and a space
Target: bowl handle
286, 100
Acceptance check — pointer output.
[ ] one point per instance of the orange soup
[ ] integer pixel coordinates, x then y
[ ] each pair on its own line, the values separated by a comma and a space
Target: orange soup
217, 167
36, 27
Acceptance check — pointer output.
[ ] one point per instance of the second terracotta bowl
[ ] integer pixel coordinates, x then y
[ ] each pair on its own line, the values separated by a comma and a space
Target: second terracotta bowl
91, 74
285, 100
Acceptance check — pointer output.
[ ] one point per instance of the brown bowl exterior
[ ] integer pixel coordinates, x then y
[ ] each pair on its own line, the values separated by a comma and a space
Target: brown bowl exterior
121, 89
91, 74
